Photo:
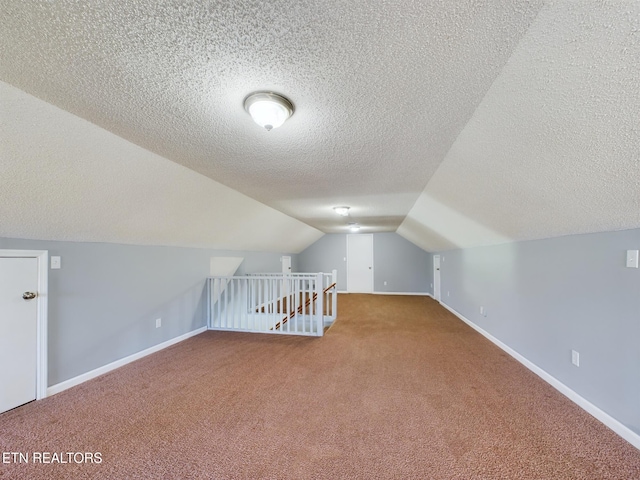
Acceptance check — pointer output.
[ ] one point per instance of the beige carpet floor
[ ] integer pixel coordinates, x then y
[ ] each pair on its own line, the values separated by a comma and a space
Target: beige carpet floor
398, 388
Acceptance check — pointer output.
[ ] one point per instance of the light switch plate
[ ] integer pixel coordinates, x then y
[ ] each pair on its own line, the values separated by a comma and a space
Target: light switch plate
55, 263
632, 258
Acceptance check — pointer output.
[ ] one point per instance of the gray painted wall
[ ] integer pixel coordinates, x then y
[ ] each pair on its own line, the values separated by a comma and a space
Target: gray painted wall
327, 254
405, 267
104, 300
547, 297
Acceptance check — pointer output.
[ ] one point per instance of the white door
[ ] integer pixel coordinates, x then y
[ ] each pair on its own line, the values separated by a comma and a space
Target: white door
360, 263
286, 265
18, 331
287, 283
436, 277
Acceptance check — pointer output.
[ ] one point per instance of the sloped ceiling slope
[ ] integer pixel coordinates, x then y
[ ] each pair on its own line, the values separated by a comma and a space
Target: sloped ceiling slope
554, 146
63, 178
382, 88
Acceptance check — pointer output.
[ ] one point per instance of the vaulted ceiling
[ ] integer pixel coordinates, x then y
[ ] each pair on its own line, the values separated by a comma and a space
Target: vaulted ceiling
455, 123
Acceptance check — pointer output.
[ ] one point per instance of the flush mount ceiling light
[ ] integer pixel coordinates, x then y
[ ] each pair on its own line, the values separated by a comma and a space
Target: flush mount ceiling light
342, 211
354, 227
269, 110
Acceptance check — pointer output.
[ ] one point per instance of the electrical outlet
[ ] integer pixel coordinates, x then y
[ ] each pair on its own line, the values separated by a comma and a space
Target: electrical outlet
432, 285
482, 311
575, 358
158, 322
448, 293
385, 283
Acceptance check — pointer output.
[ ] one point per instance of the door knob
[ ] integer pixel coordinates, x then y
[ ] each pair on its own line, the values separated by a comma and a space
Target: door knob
29, 295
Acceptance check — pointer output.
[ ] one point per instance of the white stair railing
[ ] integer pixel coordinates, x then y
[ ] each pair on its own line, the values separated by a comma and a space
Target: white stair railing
278, 303
329, 281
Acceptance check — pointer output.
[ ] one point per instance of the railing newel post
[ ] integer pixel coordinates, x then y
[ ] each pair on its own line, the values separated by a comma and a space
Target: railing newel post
334, 299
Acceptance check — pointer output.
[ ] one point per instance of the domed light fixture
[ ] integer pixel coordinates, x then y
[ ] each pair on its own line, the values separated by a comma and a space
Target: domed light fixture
342, 211
269, 110
354, 227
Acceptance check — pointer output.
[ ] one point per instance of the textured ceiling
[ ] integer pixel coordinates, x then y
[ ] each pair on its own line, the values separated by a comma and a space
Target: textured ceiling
554, 147
63, 178
382, 88
462, 122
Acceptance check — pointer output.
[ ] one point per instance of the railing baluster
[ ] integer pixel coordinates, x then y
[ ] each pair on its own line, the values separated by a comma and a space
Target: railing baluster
243, 306
219, 321
234, 303
301, 305
240, 313
296, 301
255, 315
260, 302
210, 316
227, 307
272, 317
320, 306
265, 287
223, 311
263, 299
287, 310
232, 311
303, 288
305, 303
277, 295
217, 298
280, 301
251, 311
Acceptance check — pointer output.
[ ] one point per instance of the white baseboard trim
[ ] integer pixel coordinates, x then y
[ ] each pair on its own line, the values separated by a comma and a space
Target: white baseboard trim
72, 382
625, 432
421, 294
424, 294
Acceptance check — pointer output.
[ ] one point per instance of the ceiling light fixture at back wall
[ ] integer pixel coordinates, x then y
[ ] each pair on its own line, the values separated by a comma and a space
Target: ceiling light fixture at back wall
269, 110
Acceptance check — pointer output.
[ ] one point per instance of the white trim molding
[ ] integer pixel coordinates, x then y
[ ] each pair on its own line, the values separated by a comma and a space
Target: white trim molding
420, 294
72, 382
42, 302
622, 430
423, 294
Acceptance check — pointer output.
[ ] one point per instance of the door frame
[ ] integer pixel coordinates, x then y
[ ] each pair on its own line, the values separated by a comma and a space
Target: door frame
42, 313
373, 283
282, 261
287, 278
436, 274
